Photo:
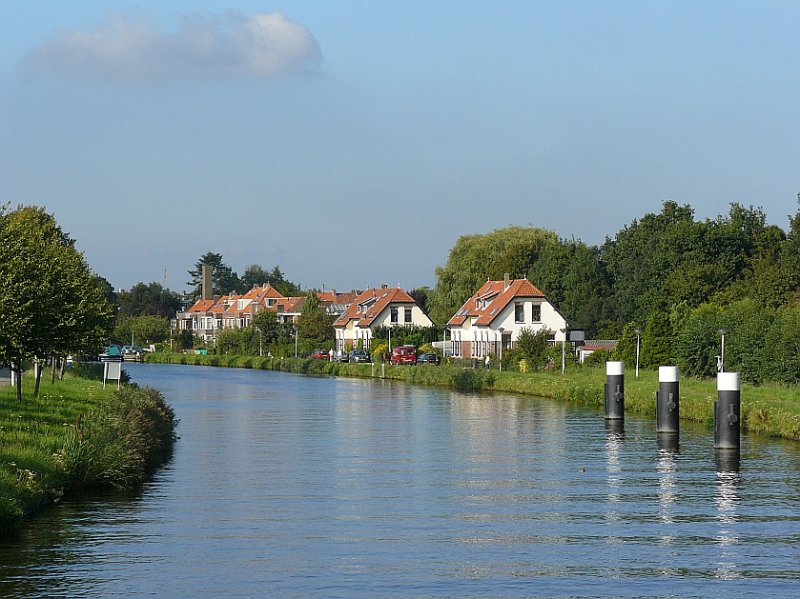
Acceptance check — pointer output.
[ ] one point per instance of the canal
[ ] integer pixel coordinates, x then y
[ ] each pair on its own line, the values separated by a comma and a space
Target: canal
291, 486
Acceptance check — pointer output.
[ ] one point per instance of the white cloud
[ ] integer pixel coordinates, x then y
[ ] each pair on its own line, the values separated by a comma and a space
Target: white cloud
233, 45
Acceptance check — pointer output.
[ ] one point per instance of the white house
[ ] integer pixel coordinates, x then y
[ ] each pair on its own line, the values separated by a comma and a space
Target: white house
492, 319
373, 308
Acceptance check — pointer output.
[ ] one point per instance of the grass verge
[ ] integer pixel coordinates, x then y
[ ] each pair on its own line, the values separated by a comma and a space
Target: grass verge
772, 410
76, 435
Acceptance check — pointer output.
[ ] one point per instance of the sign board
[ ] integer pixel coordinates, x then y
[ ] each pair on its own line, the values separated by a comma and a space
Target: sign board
577, 336
112, 371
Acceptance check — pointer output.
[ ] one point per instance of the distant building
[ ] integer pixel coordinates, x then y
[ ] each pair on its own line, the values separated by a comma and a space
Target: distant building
492, 319
373, 308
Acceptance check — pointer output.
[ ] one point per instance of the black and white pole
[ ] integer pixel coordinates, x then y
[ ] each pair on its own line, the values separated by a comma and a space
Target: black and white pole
615, 391
667, 410
727, 411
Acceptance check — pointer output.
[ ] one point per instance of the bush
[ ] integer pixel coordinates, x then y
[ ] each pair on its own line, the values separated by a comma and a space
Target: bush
120, 442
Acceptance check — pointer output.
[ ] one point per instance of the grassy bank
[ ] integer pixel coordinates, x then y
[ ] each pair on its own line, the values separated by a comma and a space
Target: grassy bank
75, 436
772, 410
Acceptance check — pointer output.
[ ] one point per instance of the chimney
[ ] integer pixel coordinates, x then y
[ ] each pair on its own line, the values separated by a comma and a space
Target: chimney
506, 281
206, 284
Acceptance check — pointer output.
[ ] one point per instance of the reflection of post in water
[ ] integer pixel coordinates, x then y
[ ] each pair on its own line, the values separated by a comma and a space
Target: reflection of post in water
727, 538
668, 442
615, 428
613, 444
727, 460
667, 491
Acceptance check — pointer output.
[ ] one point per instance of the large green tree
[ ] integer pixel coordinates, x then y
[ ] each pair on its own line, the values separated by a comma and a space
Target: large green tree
149, 299
314, 324
476, 258
224, 279
52, 303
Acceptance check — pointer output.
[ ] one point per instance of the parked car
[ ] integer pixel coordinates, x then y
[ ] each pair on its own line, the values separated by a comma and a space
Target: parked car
404, 354
357, 356
320, 354
428, 358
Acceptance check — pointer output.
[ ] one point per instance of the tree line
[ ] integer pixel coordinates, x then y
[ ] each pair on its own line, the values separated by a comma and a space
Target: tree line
676, 279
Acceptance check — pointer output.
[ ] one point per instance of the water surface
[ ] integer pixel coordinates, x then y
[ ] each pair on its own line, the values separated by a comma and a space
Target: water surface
291, 486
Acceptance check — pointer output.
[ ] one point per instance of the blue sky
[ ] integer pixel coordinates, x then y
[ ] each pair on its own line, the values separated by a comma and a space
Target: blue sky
352, 143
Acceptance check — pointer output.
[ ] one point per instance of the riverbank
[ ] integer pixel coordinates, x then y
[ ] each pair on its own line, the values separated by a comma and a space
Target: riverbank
76, 435
772, 410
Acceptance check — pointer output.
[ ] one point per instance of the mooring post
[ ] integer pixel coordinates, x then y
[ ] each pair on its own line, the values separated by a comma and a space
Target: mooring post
383, 370
727, 411
667, 410
615, 391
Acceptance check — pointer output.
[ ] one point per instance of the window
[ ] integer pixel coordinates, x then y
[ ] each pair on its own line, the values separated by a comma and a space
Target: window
536, 315
394, 315
519, 312
408, 316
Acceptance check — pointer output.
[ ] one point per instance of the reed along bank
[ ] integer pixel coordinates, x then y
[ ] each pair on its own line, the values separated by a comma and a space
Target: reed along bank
76, 436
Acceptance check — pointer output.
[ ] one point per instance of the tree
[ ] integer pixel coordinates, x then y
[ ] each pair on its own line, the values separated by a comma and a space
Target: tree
573, 277
142, 330
256, 275
224, 280
51, 302
656, 341
151, 299
314, 324
271, 331
474, 258
533, 345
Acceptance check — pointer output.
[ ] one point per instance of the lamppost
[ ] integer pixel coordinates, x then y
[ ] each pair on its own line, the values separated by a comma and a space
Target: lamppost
722, 333
564, 351
390, 338
638, 338
501, 330
295, 340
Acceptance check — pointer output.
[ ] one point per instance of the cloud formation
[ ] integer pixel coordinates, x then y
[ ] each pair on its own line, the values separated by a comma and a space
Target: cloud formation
218, 47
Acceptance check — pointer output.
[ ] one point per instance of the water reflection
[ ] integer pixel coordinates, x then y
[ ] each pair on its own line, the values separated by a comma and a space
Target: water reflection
726, 501
291, 486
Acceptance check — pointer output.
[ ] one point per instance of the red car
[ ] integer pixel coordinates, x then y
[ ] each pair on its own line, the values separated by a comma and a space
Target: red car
404, 354
320, 355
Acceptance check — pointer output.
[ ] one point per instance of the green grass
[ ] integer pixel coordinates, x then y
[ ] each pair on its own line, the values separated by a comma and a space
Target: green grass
75, 435
771, 409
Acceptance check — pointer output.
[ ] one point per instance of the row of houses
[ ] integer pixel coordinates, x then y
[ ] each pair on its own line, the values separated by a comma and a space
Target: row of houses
488, 323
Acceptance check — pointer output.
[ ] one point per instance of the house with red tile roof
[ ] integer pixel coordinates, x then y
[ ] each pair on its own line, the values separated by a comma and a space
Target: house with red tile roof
208, 316
492, 319
373, 308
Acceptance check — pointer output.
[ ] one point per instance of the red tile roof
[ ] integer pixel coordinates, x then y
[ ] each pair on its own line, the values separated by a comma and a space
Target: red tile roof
495, 296
369, 304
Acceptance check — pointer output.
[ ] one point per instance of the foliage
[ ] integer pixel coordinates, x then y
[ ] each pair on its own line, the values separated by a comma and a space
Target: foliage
408, 334
142, 330
314, 324
380, 352
270, 329
255, 275
52, 304
224, 280
573, 277
625, 351
698, 343
149, 300
532, 346
475, 258
656, 340
118, 443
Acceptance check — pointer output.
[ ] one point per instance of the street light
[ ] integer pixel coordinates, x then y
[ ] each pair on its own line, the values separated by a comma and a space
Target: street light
564, 351
390, 338
502, 330
722, 333
638, 336
295, 341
